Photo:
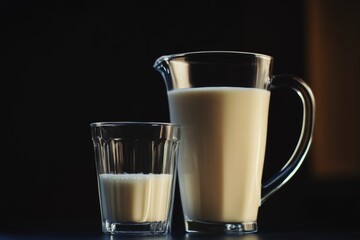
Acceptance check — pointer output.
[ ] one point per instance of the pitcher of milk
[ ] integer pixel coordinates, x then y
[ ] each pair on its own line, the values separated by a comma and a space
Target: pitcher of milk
221, 100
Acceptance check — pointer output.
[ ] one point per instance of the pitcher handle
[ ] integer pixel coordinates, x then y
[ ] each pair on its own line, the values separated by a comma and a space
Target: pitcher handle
308, 103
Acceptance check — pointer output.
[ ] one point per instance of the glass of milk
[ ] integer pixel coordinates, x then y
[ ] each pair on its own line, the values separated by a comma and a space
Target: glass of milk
221, 100
136, 168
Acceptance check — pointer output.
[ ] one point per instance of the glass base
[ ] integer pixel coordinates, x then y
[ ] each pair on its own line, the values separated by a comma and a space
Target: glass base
146, 228
211, 227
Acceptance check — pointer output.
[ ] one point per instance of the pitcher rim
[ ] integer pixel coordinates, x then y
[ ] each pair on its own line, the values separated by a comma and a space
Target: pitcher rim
176, 55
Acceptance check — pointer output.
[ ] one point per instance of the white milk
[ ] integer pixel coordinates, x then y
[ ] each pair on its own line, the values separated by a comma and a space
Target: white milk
135, 197
221, 151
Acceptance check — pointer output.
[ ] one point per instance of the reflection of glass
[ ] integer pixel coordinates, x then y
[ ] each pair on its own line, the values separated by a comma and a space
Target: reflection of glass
221, 100
133, 237
135, 165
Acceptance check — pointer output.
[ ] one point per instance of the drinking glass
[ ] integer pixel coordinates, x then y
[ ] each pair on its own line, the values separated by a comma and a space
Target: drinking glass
136, 169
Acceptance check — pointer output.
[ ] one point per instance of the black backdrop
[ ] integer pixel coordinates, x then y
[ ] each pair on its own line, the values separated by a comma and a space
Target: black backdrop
65, 64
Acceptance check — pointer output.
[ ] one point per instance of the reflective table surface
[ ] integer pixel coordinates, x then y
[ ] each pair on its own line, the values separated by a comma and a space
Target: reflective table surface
179, 236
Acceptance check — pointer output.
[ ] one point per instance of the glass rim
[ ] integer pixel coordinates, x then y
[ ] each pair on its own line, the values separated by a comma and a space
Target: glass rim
132, 123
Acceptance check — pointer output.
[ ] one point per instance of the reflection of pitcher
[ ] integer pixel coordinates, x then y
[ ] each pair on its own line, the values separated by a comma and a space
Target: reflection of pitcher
221, 100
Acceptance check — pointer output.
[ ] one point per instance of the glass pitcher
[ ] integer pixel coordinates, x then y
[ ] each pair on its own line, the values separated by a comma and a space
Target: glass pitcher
221, 100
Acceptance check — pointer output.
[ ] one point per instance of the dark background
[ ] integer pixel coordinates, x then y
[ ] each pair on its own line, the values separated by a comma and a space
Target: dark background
65, 64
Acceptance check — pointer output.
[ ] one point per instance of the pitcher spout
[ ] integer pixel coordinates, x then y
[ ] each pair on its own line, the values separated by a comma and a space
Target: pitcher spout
163, 67
161, 64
